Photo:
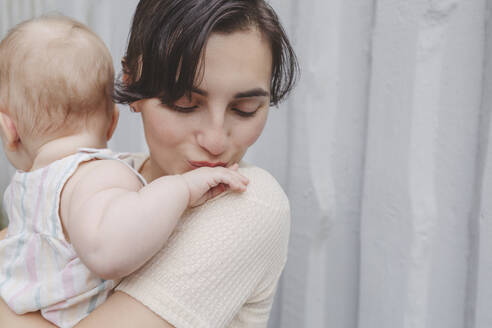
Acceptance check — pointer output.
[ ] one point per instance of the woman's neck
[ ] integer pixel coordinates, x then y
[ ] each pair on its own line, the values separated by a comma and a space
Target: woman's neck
150, 171
146, 170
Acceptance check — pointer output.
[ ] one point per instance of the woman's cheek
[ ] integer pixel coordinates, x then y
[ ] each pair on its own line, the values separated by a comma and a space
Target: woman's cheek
166, 129
253, 132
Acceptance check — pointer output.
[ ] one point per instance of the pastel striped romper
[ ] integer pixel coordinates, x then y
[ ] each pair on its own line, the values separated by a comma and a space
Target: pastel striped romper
39, 269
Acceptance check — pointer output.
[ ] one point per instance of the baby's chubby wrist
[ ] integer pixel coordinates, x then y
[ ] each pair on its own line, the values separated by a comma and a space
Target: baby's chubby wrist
180, 187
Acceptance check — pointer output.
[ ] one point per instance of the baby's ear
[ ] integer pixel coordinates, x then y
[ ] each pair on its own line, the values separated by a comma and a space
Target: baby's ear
8, 132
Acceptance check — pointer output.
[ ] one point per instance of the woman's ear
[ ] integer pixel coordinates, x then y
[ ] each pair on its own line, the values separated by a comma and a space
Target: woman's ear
8, 132
135, 106
135, 76
125, 78
124, 68
114, 122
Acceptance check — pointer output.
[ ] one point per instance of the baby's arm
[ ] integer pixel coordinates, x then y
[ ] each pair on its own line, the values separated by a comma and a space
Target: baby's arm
115, 225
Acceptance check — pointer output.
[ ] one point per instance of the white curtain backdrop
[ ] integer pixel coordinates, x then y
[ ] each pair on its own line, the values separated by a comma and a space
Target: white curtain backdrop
383, 150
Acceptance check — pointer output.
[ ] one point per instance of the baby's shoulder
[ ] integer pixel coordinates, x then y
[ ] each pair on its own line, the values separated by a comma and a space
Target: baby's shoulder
96, 175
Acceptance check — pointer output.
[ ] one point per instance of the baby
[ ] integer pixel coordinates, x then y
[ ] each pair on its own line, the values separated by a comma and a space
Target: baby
80, 217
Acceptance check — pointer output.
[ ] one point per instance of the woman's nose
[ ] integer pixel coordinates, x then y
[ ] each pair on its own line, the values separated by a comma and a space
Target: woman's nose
213, 137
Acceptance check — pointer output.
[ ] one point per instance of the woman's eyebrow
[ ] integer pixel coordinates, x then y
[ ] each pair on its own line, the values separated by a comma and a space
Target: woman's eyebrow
257, 92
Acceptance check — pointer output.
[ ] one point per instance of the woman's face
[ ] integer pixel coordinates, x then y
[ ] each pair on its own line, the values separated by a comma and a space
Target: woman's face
224, 115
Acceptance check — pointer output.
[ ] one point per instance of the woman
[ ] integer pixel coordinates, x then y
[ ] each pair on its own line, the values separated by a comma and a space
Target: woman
203, 74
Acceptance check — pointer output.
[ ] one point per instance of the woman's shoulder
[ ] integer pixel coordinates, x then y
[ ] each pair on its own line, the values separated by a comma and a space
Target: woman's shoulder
263, 199
236, 242
262, 210
263, 188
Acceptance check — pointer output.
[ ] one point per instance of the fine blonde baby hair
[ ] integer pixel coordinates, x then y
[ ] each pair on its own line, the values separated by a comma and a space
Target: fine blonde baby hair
54, 73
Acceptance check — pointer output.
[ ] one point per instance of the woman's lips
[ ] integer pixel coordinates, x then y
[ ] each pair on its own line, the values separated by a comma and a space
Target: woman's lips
209, 164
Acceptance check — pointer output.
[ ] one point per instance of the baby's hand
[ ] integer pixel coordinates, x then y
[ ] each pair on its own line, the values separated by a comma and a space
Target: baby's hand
205, 183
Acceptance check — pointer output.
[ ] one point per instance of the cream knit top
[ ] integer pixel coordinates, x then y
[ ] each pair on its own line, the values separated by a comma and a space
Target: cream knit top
221, 265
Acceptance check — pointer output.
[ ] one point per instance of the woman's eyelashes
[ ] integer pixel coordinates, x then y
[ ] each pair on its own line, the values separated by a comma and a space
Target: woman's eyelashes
185, 105
186, 108
243, 113
248, 108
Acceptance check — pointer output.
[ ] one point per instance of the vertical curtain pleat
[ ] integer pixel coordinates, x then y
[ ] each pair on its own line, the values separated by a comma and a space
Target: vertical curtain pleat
421, 177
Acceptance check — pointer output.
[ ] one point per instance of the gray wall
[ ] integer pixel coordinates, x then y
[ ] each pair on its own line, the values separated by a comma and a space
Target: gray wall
383, 150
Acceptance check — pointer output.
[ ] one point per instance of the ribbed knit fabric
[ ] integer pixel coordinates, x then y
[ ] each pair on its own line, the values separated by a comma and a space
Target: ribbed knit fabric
221, 266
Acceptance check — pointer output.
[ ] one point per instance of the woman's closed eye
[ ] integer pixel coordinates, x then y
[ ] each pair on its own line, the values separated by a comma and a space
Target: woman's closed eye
185, 105
247, 108
184, 109
243, 109
191, 109
244, 113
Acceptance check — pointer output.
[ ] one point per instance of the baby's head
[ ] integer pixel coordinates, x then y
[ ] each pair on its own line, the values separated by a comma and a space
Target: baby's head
56, 79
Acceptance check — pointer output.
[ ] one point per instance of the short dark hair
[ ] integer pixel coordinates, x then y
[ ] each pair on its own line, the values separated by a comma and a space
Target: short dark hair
167, 39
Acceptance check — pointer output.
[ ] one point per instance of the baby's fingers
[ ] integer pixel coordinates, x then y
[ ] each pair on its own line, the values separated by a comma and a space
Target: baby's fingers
235, 168
236, 184
240, 176
235, 181
217, 190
